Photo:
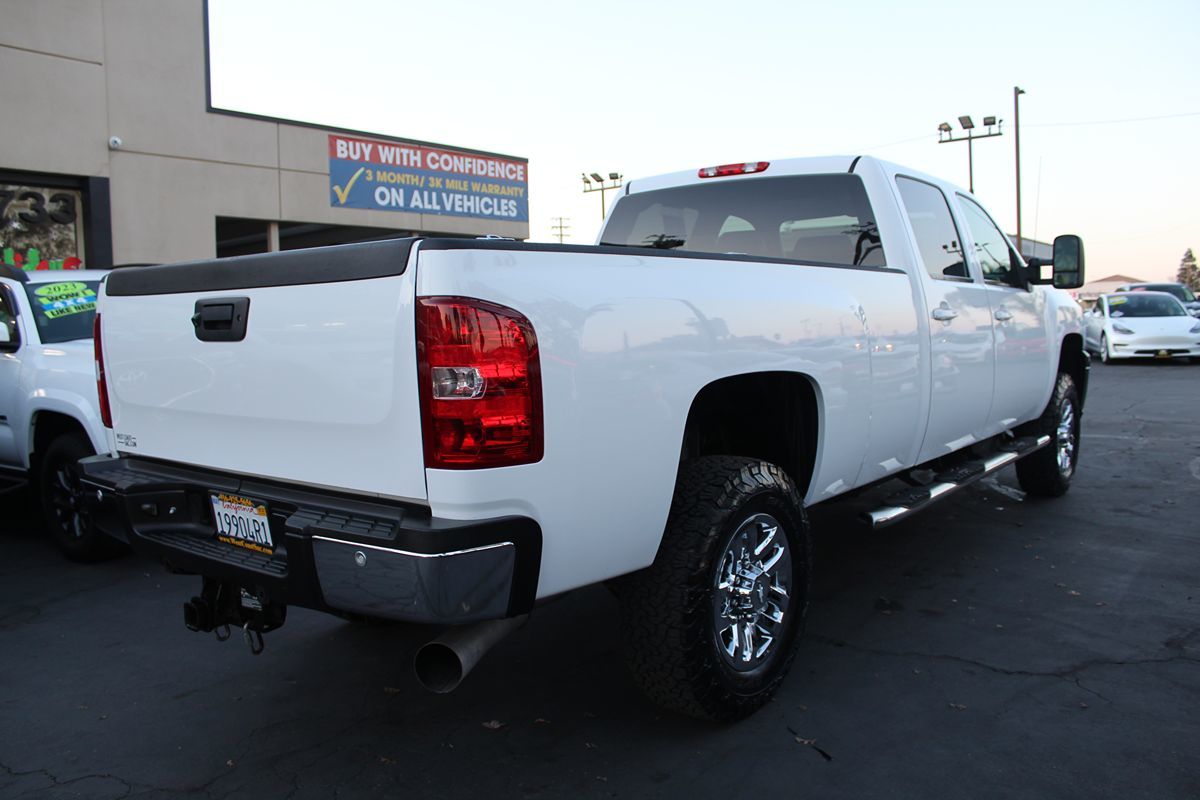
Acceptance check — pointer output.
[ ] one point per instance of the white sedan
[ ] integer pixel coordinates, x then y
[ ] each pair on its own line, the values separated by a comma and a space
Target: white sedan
1141, 325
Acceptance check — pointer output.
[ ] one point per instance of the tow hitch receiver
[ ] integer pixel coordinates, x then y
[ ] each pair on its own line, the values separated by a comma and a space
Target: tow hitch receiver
222, 604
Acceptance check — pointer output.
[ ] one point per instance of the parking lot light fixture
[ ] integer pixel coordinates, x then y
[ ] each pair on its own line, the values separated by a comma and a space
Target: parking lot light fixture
946, 134
598, 184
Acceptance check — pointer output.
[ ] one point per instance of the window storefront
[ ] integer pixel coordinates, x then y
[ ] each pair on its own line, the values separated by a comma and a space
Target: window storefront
54, 222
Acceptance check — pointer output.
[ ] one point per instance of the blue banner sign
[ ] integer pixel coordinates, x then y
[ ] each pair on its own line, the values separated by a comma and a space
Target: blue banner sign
389, 176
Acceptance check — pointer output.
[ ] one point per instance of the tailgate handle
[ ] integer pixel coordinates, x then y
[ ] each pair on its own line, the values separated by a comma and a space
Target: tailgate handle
221, 319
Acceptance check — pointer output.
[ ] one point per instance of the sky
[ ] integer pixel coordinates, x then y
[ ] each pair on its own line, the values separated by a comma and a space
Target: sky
1110, 121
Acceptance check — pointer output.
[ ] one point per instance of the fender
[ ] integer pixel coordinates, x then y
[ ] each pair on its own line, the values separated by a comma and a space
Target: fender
69, 405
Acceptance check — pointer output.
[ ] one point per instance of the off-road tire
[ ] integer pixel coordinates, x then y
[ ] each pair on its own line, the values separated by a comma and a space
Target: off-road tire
670, 636
66, 521
1042, 474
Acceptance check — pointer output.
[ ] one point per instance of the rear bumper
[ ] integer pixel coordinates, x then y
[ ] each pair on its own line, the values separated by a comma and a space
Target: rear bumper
333, 552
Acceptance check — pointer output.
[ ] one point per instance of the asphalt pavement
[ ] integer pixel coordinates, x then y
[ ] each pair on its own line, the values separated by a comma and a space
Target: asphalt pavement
992, 646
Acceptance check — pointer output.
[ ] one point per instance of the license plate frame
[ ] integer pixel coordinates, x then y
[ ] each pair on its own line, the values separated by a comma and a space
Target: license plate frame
242, 522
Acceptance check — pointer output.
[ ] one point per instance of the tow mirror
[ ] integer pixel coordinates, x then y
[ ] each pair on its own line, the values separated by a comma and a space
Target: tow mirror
1068, 264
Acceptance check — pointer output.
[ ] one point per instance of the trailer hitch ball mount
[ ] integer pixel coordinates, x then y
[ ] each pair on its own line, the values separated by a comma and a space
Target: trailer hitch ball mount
222, 604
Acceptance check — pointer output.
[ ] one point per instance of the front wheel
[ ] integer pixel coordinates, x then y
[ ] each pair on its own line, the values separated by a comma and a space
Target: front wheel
1048, 472
712, 626
1105, 354
66, 518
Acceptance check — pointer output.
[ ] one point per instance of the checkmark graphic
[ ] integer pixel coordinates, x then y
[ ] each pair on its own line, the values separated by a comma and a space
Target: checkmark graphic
341, 193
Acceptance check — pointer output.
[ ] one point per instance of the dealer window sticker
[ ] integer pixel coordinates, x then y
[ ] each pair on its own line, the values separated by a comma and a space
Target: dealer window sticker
62, 299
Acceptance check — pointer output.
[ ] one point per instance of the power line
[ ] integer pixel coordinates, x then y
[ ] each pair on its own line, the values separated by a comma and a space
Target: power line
1042, 125
1111, 121
891, 144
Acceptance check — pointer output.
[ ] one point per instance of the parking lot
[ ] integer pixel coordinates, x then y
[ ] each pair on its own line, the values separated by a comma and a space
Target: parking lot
992, 646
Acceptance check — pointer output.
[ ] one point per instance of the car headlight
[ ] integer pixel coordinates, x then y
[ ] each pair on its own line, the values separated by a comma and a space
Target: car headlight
1119, 328
1195, 328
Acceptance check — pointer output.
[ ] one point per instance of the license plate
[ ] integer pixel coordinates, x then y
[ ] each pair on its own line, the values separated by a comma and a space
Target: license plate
242, 522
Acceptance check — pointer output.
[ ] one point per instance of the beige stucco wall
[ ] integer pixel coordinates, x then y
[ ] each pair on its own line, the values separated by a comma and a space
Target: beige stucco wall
81, 71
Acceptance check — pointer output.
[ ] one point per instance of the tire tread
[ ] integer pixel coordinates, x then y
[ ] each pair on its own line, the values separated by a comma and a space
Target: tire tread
665, 608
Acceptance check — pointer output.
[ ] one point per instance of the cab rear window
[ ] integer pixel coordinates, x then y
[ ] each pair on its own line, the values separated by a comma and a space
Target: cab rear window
817, 219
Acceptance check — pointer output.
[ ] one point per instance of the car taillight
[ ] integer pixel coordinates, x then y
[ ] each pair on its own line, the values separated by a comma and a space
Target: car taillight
733, 169
101, 382
480, 384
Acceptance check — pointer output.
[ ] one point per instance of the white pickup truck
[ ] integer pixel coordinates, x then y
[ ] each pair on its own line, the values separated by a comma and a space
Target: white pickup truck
49, 409
451, 430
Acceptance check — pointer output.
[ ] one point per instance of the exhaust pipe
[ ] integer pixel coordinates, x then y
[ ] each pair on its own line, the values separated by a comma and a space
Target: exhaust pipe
442, 664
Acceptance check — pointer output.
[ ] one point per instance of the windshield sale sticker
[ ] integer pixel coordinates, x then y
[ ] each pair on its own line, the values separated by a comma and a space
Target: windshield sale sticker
61, 299
387, 176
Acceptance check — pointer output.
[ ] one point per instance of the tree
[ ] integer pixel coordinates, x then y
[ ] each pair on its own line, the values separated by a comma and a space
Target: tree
1189, 274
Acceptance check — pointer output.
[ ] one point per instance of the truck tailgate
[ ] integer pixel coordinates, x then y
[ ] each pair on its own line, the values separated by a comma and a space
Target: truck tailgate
321, 390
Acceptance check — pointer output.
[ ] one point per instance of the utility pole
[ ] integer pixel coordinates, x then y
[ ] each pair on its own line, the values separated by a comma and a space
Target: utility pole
1017, 92
560, 227
946, 135
614, 182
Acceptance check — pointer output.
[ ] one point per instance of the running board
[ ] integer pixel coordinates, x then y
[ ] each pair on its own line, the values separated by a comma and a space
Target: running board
12, 480
907, 502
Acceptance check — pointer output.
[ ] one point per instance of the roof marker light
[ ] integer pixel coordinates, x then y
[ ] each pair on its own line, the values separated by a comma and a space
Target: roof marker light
734, 169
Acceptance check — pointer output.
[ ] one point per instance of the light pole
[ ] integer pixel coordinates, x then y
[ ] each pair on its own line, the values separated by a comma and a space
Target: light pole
946, 135
614, 182
1017, 92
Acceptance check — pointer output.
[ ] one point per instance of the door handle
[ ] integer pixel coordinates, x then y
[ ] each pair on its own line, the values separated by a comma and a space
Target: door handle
1003, 314
944, 314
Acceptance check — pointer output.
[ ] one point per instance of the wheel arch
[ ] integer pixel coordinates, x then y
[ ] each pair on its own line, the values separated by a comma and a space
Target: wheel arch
1075, 361
772, 416
45, 427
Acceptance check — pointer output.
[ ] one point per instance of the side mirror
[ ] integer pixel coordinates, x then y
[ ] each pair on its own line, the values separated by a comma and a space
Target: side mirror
5, 336
1067, 261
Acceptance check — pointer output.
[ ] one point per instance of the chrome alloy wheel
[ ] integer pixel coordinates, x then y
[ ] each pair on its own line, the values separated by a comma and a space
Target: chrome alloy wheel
751, 592
1065, 438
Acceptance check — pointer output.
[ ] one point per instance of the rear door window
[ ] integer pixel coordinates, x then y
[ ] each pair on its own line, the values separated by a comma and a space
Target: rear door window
933, 226
818, 219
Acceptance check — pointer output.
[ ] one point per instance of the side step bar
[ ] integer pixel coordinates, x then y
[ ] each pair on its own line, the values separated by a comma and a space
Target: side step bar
902, 504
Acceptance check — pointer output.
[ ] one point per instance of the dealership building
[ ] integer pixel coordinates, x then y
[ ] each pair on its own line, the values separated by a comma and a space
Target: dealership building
111, 153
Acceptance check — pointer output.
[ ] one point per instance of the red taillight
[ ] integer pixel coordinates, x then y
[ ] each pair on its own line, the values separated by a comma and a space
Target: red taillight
734, 169
101, 383
480, 384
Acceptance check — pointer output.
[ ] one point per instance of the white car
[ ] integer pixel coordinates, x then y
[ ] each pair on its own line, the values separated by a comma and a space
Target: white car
49, 408
1177, 290
1141, 325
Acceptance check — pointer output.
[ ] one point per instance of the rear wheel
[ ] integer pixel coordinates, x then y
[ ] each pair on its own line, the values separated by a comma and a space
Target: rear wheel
1048, 472
66, 518
712, 626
